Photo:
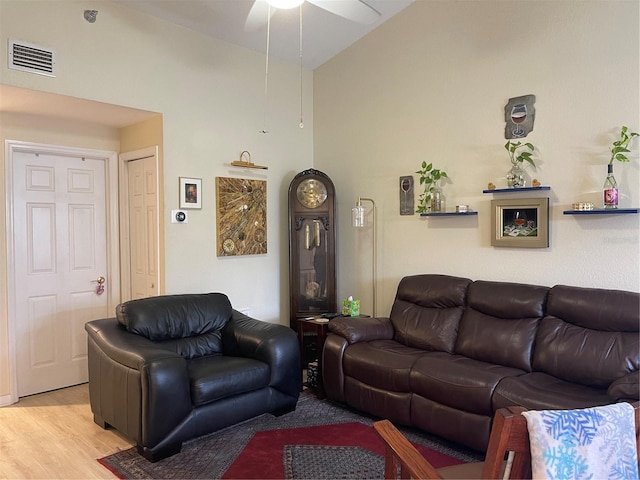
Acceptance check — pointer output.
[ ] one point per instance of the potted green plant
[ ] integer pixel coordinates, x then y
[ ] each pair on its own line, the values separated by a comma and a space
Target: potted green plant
430, 198
518, 154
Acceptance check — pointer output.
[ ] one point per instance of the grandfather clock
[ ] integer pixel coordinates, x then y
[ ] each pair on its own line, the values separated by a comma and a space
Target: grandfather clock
312, 246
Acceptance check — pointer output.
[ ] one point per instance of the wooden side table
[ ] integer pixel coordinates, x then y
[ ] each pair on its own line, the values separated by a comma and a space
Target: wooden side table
319, 327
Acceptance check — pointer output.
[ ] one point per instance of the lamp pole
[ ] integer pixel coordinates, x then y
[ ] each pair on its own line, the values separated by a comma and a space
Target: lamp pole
358, 221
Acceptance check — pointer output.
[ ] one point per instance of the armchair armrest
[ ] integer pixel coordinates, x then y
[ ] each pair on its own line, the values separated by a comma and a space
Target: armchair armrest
128, 349
359, 329
162, 390
271, 343
399, 451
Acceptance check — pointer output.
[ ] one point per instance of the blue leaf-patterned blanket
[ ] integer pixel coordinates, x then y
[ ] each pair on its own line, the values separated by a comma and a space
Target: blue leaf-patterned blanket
592, 443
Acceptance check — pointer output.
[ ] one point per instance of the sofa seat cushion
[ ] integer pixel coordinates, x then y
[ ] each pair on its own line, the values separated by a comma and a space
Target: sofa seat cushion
215, 377
383, 364
539, 391
458, 382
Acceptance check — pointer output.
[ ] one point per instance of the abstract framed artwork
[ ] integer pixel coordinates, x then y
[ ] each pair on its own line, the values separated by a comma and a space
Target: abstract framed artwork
190, 192
521, 223
241, 216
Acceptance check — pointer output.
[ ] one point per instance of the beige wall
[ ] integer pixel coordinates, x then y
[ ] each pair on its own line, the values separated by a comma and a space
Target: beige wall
211, 97
431, 84
141, 135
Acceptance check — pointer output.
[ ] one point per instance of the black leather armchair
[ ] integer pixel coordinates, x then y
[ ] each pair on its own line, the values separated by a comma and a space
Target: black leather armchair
175, 367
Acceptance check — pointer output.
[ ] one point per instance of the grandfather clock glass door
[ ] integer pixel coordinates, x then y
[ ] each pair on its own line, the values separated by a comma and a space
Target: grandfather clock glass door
312, 239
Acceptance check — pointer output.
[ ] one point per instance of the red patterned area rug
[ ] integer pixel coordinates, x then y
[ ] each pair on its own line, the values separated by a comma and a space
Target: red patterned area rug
320, 440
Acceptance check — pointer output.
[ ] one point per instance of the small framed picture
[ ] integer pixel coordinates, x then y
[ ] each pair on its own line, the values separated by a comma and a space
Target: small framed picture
520, 222
190, 192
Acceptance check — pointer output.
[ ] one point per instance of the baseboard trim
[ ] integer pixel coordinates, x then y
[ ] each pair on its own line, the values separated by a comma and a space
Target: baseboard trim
6, 400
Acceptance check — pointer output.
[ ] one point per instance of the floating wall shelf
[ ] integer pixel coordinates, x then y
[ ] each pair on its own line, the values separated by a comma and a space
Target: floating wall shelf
448, 214
515, 190
602, 211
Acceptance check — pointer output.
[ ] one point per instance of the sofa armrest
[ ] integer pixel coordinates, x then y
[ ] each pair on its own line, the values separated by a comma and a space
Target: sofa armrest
626, 388
271, 343
162, 390
358, 329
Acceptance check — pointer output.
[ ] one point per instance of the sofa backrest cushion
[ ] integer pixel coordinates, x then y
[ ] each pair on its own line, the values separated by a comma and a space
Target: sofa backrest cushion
590, 336
500, 322
188, 324
427, 310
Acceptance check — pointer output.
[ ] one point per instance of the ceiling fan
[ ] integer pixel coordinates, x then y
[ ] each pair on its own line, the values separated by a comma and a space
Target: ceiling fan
354, 10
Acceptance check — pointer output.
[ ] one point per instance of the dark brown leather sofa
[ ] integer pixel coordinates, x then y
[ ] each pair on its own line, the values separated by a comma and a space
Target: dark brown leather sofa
171, 368
453, 351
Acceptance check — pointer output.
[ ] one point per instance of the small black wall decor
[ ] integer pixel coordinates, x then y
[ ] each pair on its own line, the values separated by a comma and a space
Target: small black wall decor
406, 195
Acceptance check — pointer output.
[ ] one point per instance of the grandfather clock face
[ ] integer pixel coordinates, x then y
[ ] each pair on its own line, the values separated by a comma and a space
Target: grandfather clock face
311, 193
312, 244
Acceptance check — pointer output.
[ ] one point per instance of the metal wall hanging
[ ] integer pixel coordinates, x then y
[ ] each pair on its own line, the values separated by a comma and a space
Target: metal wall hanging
519, 115
406, 195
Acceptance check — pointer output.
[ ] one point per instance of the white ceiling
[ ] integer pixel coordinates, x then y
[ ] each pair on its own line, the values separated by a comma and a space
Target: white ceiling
324, 34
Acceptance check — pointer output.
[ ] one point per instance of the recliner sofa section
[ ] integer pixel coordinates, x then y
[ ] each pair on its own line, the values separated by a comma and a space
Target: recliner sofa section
454, 350
171, 368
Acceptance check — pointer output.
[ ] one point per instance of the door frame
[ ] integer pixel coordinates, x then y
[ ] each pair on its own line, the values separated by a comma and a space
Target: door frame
110, 158
125, 250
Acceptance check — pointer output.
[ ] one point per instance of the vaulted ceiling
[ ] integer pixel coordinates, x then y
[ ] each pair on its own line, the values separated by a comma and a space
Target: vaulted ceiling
324, 34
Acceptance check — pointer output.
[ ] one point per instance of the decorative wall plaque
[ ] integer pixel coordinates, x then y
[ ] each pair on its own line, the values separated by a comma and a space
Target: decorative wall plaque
406, 195
519, 115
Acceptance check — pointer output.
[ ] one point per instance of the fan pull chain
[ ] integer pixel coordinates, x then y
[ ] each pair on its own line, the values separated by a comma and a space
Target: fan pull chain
266, 75
301, 72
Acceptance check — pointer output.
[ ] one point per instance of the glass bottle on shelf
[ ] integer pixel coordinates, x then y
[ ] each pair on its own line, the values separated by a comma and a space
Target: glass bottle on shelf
437, 200
610, 189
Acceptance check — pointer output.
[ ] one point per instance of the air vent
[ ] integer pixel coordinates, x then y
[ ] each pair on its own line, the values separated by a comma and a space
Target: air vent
31, 58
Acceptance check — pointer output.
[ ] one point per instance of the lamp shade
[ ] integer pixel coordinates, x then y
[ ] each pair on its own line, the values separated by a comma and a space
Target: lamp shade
285, 4
357, 216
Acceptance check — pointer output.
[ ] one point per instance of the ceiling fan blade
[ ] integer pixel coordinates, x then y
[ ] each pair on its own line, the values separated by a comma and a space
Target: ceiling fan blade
354, 10
258, 15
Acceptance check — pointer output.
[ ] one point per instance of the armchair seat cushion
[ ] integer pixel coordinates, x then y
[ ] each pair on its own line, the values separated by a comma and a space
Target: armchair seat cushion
216, 377
458, 382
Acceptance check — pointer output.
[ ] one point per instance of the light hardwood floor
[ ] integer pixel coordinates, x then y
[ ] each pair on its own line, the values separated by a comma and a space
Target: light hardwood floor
52, 435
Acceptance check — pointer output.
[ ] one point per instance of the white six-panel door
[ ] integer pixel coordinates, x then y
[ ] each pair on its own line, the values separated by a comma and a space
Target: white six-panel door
143, 227
60, 251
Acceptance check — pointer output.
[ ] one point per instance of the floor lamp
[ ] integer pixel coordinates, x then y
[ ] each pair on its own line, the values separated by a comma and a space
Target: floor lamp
357, 220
